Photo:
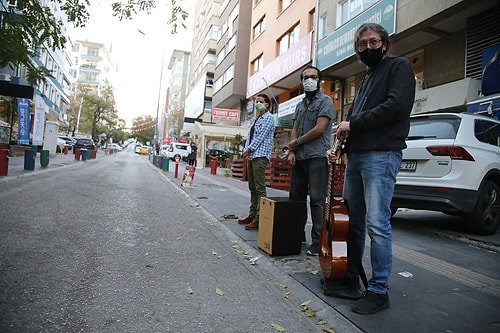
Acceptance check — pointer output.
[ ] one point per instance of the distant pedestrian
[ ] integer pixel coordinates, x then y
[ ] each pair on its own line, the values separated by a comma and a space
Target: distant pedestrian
257, 152
192, 154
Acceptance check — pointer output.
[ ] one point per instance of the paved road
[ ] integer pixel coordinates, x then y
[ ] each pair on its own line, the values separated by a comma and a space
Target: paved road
439, 284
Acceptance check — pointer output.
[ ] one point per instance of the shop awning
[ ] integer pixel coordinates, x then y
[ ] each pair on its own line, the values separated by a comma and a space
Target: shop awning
450, 97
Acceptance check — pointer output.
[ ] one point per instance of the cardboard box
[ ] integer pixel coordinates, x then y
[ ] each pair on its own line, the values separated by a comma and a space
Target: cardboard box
281, 228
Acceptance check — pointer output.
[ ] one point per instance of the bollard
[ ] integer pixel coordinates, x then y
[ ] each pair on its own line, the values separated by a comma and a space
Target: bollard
78, 153
165, 164
44, 158
4, 162
29, 159
83, 152
213, 167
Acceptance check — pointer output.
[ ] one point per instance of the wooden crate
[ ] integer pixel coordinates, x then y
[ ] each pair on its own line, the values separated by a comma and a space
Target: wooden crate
280, 174
338, 179
239, 169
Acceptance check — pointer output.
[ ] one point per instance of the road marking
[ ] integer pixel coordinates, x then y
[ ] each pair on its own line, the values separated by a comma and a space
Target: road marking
465, 276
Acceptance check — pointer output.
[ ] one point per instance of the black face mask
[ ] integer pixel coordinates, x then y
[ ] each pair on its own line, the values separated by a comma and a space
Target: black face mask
371, 57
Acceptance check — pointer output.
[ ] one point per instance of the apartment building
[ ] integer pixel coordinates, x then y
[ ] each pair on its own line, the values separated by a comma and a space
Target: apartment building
281, 45
176, 93
52, 94
442, 40
212, 130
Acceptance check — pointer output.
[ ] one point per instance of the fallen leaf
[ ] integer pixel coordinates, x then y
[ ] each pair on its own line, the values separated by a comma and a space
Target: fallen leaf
306, 303
321, 322
189, 290
287, 294
284, 286
219, 292
327, 330
308, 312
214, 253
314, 272
278, 327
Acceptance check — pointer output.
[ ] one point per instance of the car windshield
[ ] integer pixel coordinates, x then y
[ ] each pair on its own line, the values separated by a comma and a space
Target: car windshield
433, 128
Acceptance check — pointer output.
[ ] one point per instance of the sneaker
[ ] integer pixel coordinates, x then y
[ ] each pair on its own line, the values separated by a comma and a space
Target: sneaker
348, 287
312, 250
371, 303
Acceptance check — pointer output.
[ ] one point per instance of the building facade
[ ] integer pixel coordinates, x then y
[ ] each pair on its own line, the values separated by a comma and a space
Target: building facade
442, 40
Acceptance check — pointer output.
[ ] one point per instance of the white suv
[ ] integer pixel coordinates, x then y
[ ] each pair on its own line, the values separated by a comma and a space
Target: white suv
452, 165
176, 148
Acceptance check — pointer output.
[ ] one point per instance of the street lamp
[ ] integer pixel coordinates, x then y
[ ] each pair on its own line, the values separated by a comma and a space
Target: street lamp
155, 140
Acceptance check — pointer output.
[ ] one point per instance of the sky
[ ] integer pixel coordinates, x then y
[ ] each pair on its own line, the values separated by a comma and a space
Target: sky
138, 56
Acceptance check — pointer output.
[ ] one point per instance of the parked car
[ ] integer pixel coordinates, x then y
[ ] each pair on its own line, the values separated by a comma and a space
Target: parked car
176, 148
84, 144
70, 142
115, 146
452, 165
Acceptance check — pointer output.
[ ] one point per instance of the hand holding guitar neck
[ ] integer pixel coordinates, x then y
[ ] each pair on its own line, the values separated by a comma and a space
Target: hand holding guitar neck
337, 149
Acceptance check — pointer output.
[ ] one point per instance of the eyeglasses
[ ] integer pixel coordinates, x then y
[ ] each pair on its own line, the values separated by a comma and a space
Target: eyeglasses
305, 77
373, 43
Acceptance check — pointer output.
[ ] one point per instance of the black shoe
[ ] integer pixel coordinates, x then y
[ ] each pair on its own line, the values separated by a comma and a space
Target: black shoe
312, 250
347, 288
371, 303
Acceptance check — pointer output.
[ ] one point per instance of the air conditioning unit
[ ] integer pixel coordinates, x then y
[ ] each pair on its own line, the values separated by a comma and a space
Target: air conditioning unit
4, 77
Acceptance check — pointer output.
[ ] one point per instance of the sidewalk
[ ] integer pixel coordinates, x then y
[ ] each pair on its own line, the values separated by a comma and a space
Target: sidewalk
428, 292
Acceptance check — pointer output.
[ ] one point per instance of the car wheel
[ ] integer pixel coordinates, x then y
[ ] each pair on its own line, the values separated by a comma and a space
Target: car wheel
393, 211
485, 217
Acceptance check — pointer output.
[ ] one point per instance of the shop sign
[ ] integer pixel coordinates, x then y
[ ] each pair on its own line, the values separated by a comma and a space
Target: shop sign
339, 45
225, 114
293, 59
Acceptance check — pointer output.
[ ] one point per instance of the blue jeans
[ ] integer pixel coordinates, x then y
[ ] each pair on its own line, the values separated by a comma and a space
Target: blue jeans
369, 183
310, 176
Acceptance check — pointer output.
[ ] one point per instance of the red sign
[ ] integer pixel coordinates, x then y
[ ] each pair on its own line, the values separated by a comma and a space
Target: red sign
226, 114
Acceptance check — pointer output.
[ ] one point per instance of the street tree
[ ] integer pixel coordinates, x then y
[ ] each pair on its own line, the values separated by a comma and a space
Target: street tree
143, 128
28, 25
175, 121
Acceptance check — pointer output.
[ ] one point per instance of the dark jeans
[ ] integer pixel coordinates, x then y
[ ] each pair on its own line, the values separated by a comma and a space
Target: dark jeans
310, 176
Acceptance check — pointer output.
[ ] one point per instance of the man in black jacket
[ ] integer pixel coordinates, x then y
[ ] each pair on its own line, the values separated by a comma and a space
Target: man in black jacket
377, 125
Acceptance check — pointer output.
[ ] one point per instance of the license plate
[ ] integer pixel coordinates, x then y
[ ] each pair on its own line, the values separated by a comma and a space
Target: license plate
408, 165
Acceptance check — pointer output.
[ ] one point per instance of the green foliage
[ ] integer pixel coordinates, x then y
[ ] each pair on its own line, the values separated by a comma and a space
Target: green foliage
29, 26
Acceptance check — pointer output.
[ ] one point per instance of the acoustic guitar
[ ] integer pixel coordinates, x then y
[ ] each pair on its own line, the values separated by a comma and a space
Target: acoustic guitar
333, 238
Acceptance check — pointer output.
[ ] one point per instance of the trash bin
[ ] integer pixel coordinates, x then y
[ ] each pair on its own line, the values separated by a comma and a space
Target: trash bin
83, 152
94, 154
213, 167
165, 164
66, 149
4, 162
44, 158
89, 154
155, 158
29, 159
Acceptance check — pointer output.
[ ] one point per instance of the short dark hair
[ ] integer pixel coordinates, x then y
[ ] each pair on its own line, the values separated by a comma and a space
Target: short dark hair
384, 35
266, 98
320, 77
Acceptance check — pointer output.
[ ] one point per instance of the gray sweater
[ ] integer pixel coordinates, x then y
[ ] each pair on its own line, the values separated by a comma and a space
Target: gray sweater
380, 113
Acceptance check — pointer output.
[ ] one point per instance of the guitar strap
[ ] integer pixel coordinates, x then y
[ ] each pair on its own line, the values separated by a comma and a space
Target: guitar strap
357, 257
359, 266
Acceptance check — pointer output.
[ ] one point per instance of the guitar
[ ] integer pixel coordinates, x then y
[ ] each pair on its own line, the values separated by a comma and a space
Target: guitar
333, 238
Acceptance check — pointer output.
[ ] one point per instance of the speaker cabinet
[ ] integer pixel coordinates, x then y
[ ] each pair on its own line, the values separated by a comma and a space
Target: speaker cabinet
281, 228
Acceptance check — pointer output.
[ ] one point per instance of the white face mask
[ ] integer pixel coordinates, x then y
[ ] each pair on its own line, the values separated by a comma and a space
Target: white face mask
310, 85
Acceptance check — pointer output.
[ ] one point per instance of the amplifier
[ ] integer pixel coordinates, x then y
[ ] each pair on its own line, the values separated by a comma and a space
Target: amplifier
281, 228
